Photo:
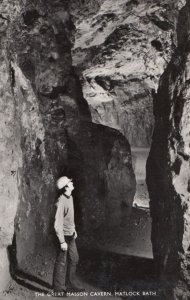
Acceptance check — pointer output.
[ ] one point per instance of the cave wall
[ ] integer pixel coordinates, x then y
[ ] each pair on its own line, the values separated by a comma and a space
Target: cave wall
120, 51
107, 180
168, 171
41, 65
47, 132
10, 150
124, 104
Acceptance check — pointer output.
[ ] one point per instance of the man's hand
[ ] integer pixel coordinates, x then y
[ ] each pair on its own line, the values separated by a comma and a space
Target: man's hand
64, 246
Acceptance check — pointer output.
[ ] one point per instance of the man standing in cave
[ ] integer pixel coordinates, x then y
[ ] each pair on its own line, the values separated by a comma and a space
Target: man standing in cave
67, 257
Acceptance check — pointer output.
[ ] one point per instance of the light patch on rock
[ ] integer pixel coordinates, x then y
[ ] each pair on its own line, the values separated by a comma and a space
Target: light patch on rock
30, 115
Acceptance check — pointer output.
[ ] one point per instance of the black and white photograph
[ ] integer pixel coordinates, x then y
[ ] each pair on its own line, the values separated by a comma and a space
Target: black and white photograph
95, 149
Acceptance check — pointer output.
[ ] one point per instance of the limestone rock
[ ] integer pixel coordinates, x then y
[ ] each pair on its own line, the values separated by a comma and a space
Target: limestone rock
121, 49
46, 132
10, 151
106, 179
4, 268
168, 172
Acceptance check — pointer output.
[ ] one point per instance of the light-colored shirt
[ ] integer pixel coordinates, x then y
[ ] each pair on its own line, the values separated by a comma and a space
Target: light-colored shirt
64, 218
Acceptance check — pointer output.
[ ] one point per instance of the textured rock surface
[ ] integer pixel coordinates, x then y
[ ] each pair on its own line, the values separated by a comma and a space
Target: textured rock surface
57, 135
105, 177
46, 131
121, 50
168, 172
10, 152
39, 76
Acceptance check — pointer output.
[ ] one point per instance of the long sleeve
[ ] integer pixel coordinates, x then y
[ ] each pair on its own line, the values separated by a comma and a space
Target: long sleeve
59, 221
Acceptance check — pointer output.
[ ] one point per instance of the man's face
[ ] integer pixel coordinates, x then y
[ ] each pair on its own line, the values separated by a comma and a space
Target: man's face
70, 187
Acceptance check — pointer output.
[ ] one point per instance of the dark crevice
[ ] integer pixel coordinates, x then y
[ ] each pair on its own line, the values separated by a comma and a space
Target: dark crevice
176, 166
157, 45
104, 82
182, 154
4, 18
178, 110
28, 67
164, 25
12, 71
121, 31
56, 91
188, 188
132, 2
30, 17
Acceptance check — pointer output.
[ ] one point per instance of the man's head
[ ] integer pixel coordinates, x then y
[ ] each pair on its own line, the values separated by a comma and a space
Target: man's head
65, 185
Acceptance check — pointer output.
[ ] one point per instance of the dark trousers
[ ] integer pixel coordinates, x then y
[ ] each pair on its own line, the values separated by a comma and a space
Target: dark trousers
64, 261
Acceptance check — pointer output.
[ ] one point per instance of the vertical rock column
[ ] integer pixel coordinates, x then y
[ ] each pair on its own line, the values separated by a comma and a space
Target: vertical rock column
168, 168
39, 50
58, 137
10, 152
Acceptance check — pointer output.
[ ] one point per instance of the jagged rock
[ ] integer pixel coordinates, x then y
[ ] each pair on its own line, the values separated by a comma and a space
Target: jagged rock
168, 172
58, 139
124, 104
10, 152
120, 51
46, 131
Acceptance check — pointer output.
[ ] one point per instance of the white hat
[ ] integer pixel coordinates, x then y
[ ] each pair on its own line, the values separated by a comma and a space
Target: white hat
62, 181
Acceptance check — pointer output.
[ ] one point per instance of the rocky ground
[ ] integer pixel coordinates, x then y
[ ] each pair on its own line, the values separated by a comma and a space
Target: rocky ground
120, 261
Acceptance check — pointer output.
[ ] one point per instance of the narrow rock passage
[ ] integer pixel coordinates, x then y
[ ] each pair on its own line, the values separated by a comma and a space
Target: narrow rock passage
139, 158
114, 261
100, 271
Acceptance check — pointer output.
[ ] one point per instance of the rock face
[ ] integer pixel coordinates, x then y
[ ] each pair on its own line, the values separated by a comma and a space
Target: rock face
105, 177
121, 49
43, 84
168, 172
127, 106
46, 132
10, 154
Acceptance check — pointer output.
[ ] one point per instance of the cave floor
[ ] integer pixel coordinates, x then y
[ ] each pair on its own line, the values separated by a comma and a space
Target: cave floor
131, 237
116, 259
99, 271
119, 259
